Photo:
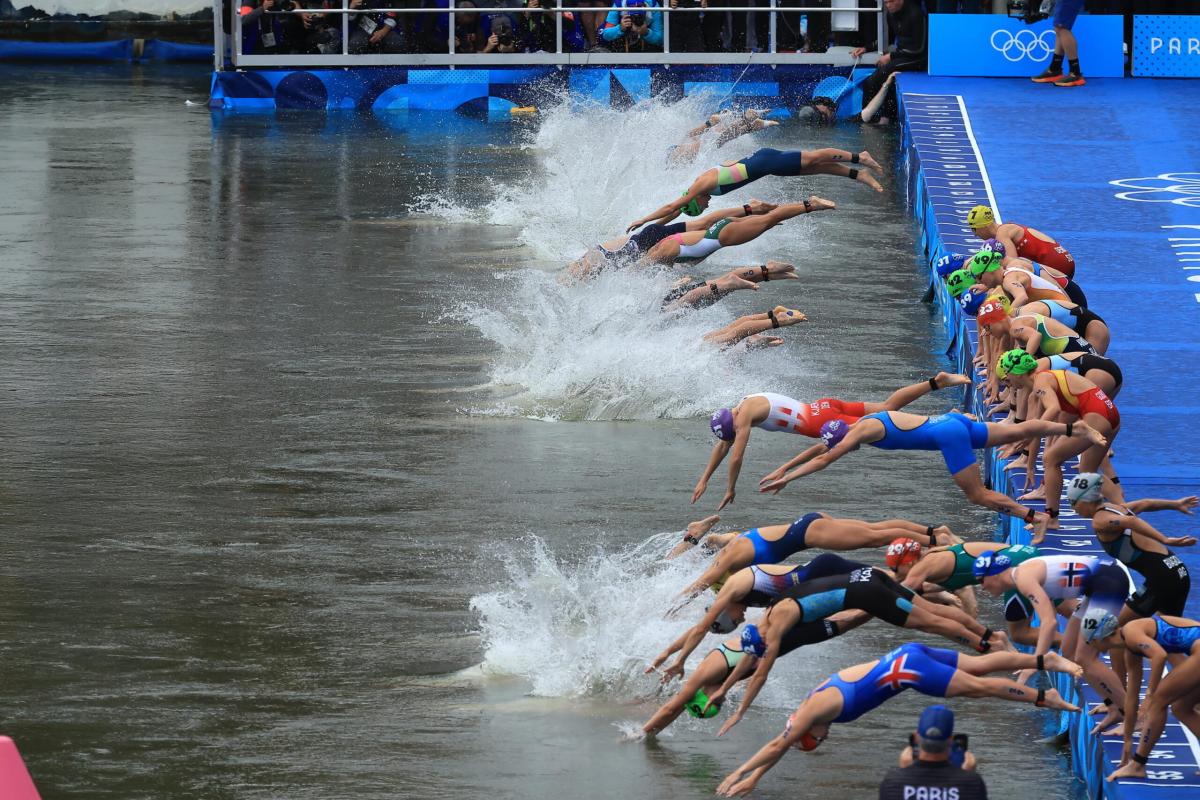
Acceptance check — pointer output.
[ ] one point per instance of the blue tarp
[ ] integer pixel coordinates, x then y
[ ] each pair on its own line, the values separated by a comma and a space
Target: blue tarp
119, 50
162, 50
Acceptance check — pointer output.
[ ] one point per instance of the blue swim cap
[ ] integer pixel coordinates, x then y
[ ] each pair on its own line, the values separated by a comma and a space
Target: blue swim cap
948, 264
833, 432
990, 563
971, 300
752, 642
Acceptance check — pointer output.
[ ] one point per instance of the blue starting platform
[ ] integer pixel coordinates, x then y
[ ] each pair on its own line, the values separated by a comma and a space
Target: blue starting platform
1105, 170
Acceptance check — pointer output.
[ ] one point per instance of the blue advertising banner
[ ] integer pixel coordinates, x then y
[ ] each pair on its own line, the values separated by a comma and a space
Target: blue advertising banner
1166, 47
993, 45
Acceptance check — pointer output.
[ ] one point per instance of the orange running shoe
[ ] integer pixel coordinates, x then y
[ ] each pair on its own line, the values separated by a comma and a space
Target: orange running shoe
1049, 76
1071, 79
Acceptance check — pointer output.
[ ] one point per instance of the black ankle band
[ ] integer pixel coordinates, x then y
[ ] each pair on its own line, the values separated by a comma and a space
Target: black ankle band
1141, 759
1018, 420
746, 210
1114, 479
716, 291
1041, 663
1041, 698
1108, 701
771, 316
853, 175
932, 536
1070, 429
1053, 512
807, 207
984, 644
854, 158
766, 273
933, 387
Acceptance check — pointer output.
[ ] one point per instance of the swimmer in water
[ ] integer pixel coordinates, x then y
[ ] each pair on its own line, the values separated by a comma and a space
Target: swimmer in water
950, 568
750, 328
955, 435
712, 671
628, 249
855, 691
694, 246
1056, 393
733, 175
691, 293
1021, 242
776, 412
725, 126
772, 544
1161, 639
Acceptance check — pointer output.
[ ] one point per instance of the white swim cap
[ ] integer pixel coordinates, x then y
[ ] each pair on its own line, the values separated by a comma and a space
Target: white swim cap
724, 623
1098, 623
1085, 487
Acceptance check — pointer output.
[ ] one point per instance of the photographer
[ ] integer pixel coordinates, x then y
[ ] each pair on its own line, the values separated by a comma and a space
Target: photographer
310, 34
685, 28
374, 32
539, 29
262, 33
468, 32
632, 28
502, 39
938, 764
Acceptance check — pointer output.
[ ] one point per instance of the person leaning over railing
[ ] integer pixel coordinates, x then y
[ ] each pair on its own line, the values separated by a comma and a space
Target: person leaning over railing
375, 32
310, 34
631, 29
908, 25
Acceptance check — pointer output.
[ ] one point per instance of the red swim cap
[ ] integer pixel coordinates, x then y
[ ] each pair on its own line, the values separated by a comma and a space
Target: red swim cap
808, 742
990, 313
903, 551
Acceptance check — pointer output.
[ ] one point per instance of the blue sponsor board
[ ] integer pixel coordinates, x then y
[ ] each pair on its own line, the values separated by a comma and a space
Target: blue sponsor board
997, 46
1166, 46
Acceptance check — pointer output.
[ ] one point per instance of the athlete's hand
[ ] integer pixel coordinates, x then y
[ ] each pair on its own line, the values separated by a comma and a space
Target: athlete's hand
771, 476
727, 499
858, 52
717, 698
656, 663
726, 786
673, 671
635, 226
774, 487
1041, 521
729, 723
1182, 541
699, 491
1186, 504
740, 788
760, 207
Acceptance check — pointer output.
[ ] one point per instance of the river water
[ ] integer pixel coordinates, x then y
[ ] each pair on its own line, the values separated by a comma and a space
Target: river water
316, 484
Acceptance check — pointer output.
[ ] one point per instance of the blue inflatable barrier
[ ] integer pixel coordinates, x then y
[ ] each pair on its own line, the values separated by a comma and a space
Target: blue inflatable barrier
162, 50
119, 50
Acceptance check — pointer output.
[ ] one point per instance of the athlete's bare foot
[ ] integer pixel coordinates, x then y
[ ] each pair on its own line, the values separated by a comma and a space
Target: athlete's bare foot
700, 527
1000, 641
1038, 527
1099, 708
1116, 729
944, 530
732, 282
867, 161
776, 271
945, 380
820, 203
1056, 663
1020, 462
1130, 769
869, 180
1035, 494
788, 316
1054, 700
762, 340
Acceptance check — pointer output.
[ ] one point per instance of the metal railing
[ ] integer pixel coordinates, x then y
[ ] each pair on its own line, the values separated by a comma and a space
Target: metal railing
558, 57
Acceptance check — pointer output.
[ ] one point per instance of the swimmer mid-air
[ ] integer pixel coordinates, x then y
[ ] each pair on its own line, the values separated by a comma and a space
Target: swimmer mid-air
726, 126
776, 412
733, 175
849, 694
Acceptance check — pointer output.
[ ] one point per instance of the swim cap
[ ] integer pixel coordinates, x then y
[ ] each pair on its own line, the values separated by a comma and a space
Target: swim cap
1098, 623
692, 209
948, 264
990, 563
752, 642
994, 246
980, 216
1000, 296
958, 282
721, 424
971, 300
1015, 362
983, 261
724, 622
833, 431
990, 313
1085, 488
808, 742
902, 551
696, 705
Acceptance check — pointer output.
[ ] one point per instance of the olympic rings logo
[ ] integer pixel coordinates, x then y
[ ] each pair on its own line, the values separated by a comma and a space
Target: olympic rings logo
1179, 188
1023, 44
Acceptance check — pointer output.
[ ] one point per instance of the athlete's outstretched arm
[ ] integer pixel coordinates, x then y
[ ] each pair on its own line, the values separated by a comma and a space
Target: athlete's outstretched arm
1031, 587
1133, 689
809, 454
1184, 505
849, 444
737, 454
1138, 525
872, 108
773, 637
719, 451
702, 185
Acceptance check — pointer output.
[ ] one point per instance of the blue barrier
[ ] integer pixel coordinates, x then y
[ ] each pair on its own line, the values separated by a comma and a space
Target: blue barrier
994, 46
119, 50
1166, 46
948, 174
162, 50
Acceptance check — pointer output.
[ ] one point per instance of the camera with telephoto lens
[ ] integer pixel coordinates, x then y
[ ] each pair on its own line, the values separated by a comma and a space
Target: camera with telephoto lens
1031, 11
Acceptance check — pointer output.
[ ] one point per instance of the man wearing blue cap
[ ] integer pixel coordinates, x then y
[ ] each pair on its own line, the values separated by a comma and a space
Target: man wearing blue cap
932, 775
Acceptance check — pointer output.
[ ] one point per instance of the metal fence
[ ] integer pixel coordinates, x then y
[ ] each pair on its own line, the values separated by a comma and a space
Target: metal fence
558, 57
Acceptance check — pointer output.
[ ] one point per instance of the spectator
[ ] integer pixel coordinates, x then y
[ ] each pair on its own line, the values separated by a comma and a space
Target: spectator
262, 33
501, 39
908, 25
632, 28
1065, 13
311, 33
686, 34
539, 32
951, 6
468, 32
593, 21
932, 774
374, 32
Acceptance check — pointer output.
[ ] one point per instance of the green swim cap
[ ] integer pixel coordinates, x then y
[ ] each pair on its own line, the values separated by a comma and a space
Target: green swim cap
959, 281
1015, 362
696, 705
692, 209
983, 261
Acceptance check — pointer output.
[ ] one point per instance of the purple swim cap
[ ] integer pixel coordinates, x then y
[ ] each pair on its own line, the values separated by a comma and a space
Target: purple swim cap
833, 432
721, 423
996, 246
